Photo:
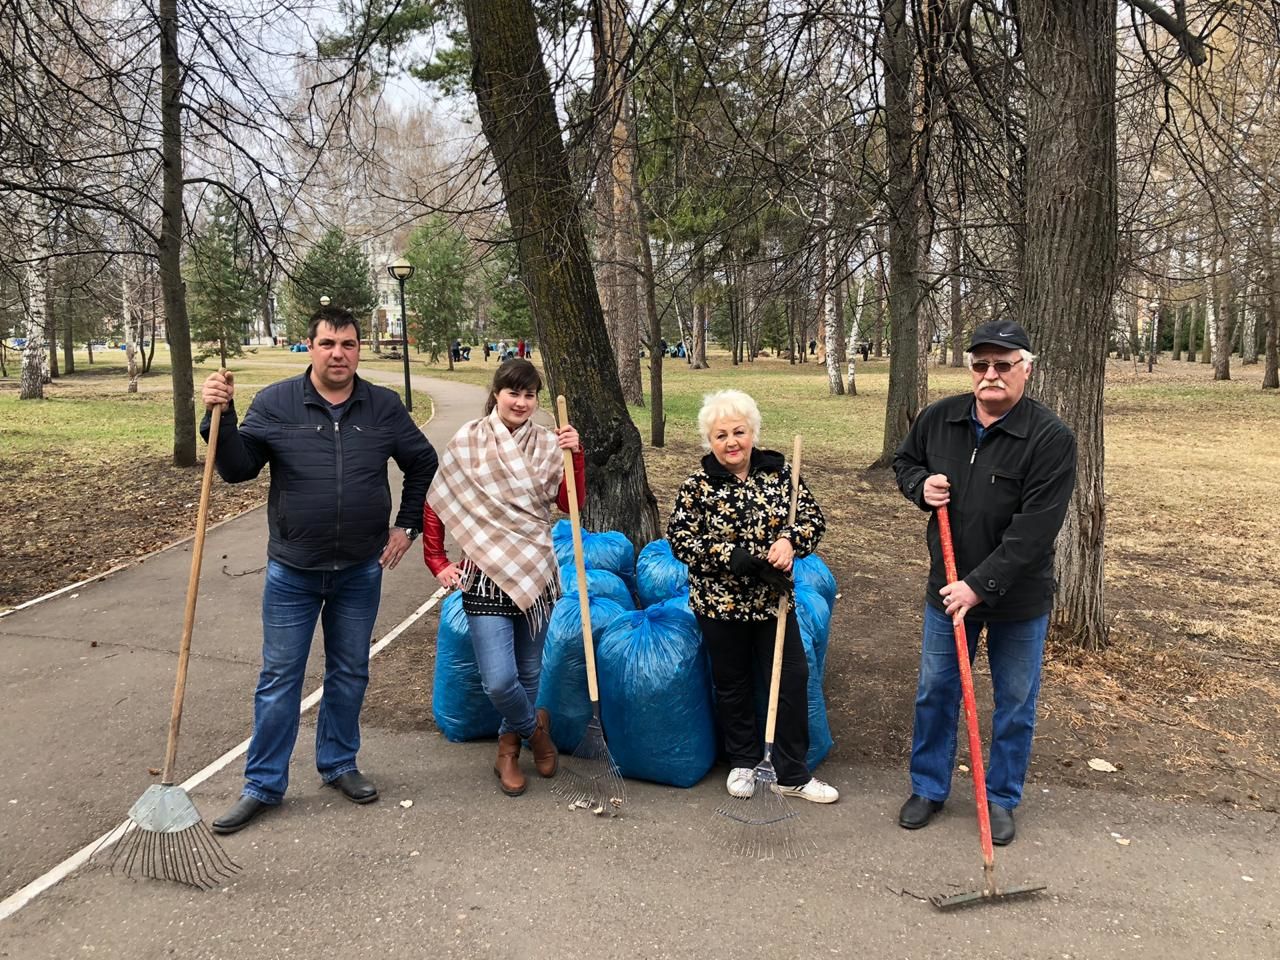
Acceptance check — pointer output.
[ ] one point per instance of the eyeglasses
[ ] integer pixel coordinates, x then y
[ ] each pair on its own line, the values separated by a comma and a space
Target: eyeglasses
1002, 366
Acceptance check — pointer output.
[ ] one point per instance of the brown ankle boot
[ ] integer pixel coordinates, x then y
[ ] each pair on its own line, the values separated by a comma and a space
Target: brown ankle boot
507, 767
544, 748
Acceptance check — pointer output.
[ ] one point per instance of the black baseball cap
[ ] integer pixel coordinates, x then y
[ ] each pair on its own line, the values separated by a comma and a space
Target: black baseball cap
1002, 333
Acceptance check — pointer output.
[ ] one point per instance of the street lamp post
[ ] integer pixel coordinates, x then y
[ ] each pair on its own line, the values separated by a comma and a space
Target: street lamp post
1154, 308
401, 271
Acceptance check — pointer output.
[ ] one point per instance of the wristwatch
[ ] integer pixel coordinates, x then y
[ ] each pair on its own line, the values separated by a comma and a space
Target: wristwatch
411, 533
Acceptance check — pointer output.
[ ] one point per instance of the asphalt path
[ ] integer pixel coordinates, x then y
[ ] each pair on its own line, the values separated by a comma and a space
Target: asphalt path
445, 866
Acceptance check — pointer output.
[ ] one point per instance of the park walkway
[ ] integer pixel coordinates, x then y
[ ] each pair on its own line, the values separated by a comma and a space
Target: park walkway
445, 866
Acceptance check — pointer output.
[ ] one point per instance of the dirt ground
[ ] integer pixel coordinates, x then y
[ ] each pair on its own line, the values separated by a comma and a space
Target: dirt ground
1185, 703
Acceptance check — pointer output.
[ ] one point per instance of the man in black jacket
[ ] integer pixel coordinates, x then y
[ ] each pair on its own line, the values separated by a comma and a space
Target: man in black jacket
1004, 465
328, 436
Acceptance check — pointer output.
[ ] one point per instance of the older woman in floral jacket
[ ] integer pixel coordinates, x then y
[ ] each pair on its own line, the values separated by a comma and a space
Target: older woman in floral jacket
730, 527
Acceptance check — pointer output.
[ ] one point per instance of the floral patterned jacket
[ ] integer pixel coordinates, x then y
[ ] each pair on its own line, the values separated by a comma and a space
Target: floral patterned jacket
716, 512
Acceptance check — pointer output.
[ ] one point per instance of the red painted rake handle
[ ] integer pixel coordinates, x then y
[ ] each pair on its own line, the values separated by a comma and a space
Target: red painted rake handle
970, 702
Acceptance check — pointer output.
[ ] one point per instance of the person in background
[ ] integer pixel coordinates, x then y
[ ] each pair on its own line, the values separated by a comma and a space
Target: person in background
730, 527
327, 436
499, 479
1004, 466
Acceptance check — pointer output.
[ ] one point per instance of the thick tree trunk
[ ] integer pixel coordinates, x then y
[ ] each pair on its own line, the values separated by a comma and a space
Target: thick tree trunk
1069, 266
903, 199
616, 198
518, 117
170, 248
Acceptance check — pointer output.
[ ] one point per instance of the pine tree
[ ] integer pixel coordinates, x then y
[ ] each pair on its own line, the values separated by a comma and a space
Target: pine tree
222, 289
337, 268
440, 256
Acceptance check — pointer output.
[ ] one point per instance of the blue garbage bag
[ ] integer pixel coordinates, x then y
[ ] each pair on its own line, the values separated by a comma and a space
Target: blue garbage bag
814, 573
679, 602
459, 705
609, 550
563, 686
814, 616
815, 628
655, 695
600, 583
659, 575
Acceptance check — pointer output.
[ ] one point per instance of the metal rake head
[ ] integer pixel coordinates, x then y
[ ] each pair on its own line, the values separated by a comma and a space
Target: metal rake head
167, 840
590, 779
763, 826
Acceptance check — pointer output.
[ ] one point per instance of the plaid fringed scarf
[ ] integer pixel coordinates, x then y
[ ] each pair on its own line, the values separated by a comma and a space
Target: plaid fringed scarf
494, 492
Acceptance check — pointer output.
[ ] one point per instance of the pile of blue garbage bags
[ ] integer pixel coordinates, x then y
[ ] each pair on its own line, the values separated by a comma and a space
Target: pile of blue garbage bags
656, 695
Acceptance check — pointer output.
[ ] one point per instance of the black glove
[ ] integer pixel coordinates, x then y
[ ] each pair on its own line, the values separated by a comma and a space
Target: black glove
774, 578
743, 564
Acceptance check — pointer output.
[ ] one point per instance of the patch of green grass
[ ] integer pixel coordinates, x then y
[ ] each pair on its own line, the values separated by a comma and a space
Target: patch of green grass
91, 415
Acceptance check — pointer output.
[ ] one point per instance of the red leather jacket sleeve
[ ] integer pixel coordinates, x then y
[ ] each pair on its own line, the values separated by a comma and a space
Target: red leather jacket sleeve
579, 481
433, 540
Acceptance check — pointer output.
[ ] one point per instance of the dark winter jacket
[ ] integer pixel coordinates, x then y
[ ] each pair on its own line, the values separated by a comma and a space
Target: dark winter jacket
1009, 496
330, 500
715, 512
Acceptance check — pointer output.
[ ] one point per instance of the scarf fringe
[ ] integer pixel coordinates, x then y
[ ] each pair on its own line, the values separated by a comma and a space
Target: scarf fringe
475, 580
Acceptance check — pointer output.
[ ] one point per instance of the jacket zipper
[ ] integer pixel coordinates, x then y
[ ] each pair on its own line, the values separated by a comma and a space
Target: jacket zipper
337, 454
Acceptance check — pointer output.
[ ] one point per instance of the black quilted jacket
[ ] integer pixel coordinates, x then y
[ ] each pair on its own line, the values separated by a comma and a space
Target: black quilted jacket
330, 502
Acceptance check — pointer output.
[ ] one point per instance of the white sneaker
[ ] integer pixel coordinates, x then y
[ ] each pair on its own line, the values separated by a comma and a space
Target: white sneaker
741, 782
815, 791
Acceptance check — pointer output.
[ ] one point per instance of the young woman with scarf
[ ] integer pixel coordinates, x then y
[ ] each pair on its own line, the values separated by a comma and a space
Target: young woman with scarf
498, 480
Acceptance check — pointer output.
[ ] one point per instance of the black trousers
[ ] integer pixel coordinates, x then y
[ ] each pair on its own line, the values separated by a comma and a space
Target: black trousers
741, 658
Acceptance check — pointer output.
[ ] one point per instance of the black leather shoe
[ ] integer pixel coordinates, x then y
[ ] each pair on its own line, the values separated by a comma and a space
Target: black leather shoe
1002, 828
356, 787
238, 817
917, 812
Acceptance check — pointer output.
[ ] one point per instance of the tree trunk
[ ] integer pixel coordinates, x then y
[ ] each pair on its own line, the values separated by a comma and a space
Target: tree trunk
617, 197
170, 247
957, 320
1271, 295
33, 353
1070, 49
51, 332
657, 418
518, 117
68, 342
903, 199
829, 310
1222, 324
130, 325
1193, 324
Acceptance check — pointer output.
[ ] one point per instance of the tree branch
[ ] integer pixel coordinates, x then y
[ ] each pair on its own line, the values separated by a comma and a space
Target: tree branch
1192, 45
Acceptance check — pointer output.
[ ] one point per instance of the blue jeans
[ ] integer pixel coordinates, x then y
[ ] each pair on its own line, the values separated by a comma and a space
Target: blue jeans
346, 603
1015, 650
509, 656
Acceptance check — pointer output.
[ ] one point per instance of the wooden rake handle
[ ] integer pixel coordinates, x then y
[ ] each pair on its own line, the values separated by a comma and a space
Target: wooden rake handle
775, 677
970, 702
579, 558
193, 590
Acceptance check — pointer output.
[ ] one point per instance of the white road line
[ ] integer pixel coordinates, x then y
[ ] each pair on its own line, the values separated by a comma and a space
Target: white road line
20, 898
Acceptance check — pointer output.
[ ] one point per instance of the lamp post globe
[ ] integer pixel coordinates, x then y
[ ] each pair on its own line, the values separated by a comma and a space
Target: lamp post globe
400, 271
325, 301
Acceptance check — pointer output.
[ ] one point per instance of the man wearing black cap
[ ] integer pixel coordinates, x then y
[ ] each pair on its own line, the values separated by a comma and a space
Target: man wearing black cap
1004, 465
